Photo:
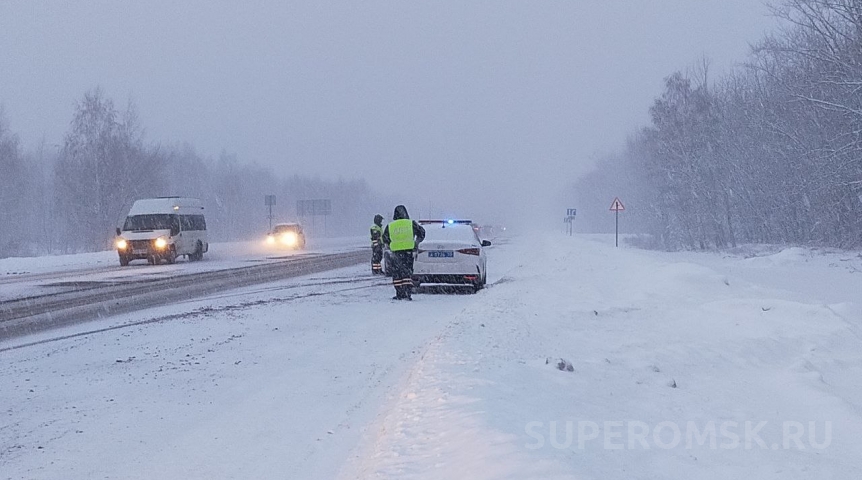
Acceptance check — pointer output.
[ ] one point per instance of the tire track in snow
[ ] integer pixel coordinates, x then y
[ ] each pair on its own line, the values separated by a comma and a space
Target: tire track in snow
203, 311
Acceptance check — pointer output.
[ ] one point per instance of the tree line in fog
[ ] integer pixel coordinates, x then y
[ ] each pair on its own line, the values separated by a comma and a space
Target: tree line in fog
770, 153
69, 197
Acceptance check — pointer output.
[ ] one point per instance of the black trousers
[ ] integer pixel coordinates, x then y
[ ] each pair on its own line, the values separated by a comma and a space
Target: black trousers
402, 273
377, 258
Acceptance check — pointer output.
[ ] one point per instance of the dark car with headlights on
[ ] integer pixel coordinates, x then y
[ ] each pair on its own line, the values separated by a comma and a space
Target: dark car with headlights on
286, 236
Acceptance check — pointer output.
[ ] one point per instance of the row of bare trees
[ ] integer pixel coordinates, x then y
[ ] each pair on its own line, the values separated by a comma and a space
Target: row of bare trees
70, 197
770, 153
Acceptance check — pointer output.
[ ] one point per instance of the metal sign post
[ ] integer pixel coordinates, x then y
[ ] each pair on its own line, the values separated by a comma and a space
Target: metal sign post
269, 201
571, 213
314, 208
617, 207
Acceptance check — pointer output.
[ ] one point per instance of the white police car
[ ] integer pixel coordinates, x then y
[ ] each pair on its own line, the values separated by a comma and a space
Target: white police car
451, 253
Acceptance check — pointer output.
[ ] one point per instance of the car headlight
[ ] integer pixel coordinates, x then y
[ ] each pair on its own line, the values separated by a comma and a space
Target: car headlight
161, 243
270, 239
122, 244
288, 238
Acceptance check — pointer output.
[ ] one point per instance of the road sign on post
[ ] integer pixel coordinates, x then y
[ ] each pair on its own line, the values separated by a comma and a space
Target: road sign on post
314, 208
269, 201
571, 213
617, 207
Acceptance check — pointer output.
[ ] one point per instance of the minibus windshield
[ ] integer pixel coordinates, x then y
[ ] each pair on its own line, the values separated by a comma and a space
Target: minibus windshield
157, 221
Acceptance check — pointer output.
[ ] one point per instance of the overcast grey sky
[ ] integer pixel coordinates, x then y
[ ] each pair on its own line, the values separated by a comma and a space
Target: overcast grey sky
444, 100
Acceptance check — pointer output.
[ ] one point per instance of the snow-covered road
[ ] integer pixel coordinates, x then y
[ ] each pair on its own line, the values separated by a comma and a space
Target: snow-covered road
28, 276
325, 377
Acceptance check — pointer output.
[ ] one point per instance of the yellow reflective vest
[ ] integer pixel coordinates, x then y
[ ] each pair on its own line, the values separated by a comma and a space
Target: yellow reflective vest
376, 234
401, 235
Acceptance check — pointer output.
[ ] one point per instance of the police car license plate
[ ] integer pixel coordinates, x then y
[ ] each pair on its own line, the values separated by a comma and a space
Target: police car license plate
441, 254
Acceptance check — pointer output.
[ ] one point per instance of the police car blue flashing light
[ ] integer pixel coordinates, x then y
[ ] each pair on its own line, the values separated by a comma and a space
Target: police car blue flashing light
447, 222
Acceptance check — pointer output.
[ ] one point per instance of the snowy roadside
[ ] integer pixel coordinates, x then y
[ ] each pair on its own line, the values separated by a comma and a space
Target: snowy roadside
678, 370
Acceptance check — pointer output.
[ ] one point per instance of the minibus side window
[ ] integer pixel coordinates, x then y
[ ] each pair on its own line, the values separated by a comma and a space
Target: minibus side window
198, 222
187, 222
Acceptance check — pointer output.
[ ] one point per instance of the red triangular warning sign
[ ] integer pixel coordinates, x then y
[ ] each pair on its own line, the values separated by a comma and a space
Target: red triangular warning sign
617, 205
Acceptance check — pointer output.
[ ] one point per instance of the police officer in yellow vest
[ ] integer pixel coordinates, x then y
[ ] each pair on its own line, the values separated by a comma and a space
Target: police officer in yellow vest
403, 237
377, 246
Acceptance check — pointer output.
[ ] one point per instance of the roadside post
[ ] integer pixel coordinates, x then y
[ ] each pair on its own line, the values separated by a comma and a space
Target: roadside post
571, 213
617, 207
269, 201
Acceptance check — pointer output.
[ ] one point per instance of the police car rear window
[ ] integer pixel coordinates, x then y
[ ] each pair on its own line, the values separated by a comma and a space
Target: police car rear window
451, 233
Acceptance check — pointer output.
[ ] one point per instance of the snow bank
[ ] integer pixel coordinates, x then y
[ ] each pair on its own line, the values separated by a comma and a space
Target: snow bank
654, 345
52, 263
788, 256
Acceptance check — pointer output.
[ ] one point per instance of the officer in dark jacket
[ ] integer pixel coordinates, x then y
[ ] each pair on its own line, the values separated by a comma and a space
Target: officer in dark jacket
377, 245
403, 237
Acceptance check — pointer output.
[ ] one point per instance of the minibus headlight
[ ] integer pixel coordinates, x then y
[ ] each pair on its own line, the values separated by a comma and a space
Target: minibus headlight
161, 243
122, 244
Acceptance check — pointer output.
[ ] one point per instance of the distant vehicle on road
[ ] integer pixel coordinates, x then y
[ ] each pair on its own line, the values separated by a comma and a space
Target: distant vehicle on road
162, 229
286, 235
452, 253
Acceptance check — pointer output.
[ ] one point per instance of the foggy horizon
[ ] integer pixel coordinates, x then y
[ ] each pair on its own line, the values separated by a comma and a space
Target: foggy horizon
432, 104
